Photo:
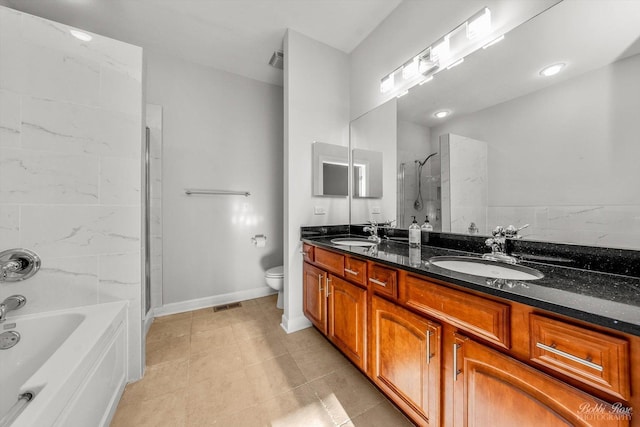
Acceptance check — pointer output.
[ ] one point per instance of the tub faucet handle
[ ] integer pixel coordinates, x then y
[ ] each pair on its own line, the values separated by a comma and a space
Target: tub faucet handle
11, 303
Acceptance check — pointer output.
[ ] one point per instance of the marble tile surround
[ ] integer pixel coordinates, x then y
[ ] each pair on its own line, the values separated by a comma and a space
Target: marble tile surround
70, 166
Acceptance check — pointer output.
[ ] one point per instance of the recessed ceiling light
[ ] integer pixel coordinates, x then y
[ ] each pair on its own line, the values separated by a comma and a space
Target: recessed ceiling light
441, 114
81, 35
552, 70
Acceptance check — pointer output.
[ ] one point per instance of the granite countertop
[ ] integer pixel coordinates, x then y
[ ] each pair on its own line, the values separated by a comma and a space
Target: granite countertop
605, 299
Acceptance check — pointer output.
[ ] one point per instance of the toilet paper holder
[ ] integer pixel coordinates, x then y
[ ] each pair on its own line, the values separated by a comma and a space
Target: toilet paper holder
259, 240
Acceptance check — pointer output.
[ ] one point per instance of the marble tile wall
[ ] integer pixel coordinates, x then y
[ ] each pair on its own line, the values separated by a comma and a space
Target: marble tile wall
70, 166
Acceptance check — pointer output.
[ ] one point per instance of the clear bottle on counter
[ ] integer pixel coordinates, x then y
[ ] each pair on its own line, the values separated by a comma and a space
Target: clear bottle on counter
415, 234
427, 226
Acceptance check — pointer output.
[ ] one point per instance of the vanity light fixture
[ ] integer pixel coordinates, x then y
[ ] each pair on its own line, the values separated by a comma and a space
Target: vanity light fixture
494, 41
552, 70
441, 114
80, 35
388, 84
445, 53
427, 80
479, 25
455, 64
411, 68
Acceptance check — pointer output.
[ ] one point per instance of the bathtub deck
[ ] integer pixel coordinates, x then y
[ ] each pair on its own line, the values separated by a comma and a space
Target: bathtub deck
239, 368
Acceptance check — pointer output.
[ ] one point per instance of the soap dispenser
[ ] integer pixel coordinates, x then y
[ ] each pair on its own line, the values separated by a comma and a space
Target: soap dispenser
427, 226
414, 234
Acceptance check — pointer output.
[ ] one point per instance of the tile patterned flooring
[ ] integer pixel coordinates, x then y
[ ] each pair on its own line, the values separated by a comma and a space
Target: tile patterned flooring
239, 368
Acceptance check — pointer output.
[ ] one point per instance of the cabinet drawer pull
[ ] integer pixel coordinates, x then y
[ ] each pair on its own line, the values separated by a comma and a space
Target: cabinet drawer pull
429, 347
456, 371
378, 282
355, 273
554, 350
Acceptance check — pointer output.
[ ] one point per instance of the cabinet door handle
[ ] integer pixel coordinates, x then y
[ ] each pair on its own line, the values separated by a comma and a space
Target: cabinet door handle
327, 293
552, 349
355, 273
428, 347
456, 371
320, 283
378, 282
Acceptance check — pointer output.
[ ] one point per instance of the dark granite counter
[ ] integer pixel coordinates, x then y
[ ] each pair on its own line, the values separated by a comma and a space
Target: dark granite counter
602, 298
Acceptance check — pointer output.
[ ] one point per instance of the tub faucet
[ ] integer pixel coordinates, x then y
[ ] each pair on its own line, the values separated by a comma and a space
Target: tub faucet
13, 302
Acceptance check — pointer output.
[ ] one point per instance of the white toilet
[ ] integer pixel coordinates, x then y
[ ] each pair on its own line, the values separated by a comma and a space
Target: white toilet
275, 279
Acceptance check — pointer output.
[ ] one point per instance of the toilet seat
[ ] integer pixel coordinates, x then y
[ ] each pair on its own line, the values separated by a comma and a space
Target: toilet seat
275, 272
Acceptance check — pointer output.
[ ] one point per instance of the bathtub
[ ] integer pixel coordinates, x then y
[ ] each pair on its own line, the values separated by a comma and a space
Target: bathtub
73, 363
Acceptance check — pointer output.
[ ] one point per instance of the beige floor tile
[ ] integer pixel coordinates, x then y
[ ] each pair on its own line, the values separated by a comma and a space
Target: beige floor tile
165, 411
158, 380
212, 339
165, 330
255, 326
346, 393
383, 414
215, 362
168, 350
223, 395
273, 377
319, 360
261, 348
300, 340
202, 312
297, 407
210, 321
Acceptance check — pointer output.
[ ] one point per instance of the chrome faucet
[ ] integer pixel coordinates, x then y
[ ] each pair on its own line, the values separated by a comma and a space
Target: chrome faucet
13, 302
373, 229
497, 243
10, 266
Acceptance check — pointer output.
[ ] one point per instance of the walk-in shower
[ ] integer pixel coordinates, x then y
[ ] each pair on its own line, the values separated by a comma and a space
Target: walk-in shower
419, 203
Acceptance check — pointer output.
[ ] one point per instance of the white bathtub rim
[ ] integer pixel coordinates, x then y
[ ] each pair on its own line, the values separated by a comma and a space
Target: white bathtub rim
73, 360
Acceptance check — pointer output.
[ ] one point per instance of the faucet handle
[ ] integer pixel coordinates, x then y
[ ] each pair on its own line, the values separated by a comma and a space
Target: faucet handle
498, 231
512, 232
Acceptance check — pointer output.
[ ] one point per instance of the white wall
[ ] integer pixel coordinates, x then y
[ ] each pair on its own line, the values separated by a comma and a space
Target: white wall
70, 167
316, 101
154, 123
413, 26
565, 158
220, 131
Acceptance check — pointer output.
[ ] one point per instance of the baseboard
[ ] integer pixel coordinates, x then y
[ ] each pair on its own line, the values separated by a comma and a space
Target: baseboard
195, 304
295, 324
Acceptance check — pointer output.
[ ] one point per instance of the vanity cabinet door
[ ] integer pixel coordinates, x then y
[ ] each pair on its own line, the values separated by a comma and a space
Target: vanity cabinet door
406, 359
348, 319
492, 389
314, 296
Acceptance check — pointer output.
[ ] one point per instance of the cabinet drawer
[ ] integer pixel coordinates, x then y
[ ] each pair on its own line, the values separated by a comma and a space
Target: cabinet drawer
480, 316
383, 280
307, 252
596, 359
331, 261
355, 270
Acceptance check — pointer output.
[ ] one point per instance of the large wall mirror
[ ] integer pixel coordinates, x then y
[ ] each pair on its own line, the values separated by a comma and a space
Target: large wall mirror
559, 153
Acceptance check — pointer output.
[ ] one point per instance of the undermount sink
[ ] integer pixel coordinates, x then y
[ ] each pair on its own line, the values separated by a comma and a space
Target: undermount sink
486, 268
352, 241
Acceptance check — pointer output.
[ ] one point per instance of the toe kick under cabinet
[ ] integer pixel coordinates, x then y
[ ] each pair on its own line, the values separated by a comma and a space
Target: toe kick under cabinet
449, 356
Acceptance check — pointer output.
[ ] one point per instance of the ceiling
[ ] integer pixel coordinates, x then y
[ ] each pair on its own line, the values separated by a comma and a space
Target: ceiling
238, 36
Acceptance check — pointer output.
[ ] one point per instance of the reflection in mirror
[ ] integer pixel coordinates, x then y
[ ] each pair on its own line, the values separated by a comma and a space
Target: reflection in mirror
367, 173
330, 169
562, 151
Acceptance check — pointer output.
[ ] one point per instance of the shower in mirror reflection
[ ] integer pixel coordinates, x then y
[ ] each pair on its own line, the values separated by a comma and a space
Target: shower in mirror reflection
418, 187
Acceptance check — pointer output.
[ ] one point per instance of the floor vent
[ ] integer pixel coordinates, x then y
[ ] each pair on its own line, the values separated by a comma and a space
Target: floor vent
226, 307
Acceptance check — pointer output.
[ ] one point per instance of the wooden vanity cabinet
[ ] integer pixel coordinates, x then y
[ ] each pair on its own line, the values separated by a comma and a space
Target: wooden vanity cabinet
314, 305
335, 306
405, 360
493, 389
347, 315
450, 356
